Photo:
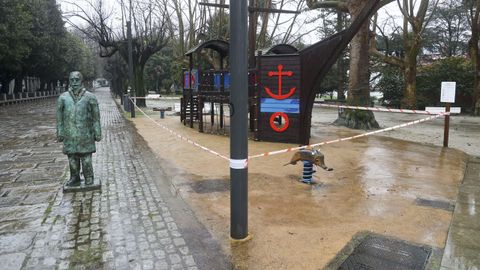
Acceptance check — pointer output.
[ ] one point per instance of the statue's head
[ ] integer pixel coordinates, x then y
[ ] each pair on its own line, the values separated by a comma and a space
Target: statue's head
75, 80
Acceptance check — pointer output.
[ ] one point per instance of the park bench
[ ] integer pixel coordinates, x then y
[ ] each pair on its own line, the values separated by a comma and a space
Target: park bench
162, 110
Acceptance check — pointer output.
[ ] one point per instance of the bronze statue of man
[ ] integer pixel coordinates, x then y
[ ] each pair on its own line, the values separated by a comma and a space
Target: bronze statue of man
78, 127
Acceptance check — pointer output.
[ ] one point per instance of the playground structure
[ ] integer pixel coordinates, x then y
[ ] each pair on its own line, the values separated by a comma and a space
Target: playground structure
282, 86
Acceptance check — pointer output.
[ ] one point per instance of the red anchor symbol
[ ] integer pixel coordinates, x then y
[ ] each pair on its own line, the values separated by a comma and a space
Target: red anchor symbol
279, 74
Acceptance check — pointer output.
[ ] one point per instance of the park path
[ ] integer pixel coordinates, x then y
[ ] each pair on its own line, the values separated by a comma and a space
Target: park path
462, 248
134, 222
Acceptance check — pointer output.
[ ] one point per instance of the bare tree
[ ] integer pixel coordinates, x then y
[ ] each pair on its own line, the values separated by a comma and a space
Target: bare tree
473, 11
447, 34
414, 25
359, 74
149, 31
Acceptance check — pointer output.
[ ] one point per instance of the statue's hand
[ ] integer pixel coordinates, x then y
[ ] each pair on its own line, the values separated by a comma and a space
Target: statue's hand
98, 138
60, 138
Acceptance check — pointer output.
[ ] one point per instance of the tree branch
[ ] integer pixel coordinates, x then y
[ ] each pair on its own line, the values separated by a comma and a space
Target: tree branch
338, 5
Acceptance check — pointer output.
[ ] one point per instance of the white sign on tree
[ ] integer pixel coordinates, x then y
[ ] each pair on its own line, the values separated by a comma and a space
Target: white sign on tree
448, 92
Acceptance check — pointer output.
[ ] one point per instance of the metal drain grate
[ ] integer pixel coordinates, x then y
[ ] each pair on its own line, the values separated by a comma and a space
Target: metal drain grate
435, 204
376, 252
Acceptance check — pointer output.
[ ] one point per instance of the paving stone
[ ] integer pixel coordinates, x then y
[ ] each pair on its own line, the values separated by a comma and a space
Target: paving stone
12, 261
159, 254
82, 247
184, 250
126, 225
82, 239
15, 242
64, 265
188, 260
49, 261
165, 241
31, 262
66, 253
147, 264
160, 265
95, 235
179, 242
175, 258
108, 255
84, 231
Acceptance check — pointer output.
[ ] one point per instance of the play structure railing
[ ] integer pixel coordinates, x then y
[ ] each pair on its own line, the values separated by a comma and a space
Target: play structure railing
212, 88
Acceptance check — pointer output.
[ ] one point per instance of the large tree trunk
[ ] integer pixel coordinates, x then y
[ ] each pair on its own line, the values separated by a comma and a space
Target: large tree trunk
139, 85
342, 72
410, 74
475, 58
263, 32
42, 84
181, 28
476, 61
18, 84
358, 85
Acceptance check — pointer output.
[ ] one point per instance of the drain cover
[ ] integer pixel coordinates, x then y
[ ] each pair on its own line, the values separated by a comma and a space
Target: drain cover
211, 185
435, 204
376, 252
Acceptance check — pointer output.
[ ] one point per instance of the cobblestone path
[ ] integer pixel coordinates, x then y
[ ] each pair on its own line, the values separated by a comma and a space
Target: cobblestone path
132, 223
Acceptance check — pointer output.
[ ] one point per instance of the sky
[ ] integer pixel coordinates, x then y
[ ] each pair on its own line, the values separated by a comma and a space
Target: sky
384, 13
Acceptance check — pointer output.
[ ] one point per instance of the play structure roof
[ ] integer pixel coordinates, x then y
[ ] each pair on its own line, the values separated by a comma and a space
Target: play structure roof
217, 45
281, 49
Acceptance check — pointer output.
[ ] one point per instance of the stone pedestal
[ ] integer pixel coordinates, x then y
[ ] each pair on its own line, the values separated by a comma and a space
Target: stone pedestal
97, 185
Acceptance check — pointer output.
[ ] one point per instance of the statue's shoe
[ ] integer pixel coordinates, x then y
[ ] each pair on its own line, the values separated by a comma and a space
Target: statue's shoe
89, 181
74, 181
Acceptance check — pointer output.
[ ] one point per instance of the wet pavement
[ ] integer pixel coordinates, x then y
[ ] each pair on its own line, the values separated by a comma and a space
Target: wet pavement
462, 250
394, 188
134, 222
137, 221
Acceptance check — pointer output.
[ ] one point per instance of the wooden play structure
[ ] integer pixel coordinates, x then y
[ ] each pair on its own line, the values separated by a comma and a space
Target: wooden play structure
282, 86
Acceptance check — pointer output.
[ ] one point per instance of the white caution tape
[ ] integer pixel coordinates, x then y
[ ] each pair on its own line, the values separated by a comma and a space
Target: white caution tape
182, 137
238, 163
376, 109
243, 163
348, 138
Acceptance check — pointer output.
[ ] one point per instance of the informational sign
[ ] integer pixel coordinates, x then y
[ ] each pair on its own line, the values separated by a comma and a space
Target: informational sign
448, 92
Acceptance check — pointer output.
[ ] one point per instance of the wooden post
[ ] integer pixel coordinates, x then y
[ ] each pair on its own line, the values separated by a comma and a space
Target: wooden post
447, 126
222, 89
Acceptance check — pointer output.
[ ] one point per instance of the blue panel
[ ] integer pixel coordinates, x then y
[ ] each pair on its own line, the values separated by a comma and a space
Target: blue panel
226, 80
270, 105
217, 77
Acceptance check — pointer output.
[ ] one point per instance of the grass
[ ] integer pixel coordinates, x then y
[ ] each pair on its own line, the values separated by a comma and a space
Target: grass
87, 259
48, 210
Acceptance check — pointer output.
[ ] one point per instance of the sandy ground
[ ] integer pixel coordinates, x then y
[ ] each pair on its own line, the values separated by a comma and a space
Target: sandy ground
373, 187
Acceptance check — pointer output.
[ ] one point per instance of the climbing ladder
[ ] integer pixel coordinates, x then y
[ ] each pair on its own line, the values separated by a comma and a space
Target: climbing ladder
189, 109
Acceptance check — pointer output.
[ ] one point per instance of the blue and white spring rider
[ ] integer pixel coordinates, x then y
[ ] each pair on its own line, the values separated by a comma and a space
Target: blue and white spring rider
308, 172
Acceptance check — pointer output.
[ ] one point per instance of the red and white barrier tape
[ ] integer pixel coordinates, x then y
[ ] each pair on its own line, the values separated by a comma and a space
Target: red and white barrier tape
376, 109
237, 164
180, 136
146, 98
348, 138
